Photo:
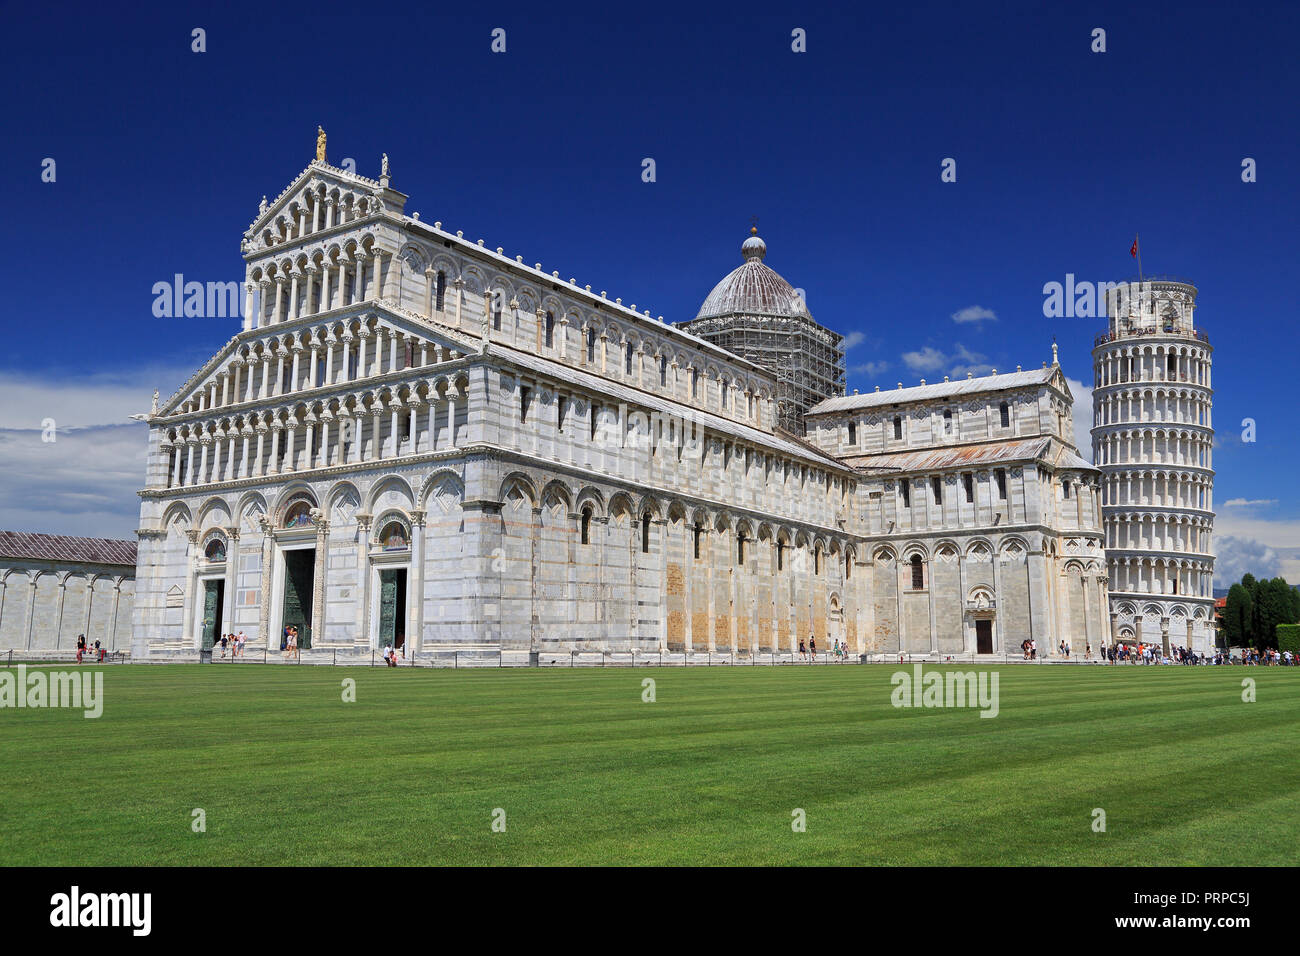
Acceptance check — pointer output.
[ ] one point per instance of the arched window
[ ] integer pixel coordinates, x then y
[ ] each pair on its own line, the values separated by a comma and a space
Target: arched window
663, 370
853, 433
740, 547
848, 565
898, 428
550, 330
298, 516
627, 359
947, 421
645, 533
216, 550
586, 526
699, 533
394, 537
496, 310
780, 555
817, 560
1004, 415
441, 289
918, 573
591, 346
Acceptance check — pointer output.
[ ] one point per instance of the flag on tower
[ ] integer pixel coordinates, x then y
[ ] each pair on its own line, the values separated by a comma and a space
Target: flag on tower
1133, 250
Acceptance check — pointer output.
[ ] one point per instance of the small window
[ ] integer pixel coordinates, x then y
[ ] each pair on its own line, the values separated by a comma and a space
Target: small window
918, 573
525, 399
936, 483
695, 383
441, 290
780, 555
1065, 489
627, 359
898, 428
817, 561
848, 566
947, 421
216, 551
906, 487
561, 406
969, 481
699, 532
496, 311
853, 433
1000, 476
663, 370
1004, 415
1173, 366
549, 335
586, 526
591, 346
645, 533
595, 410
740, 549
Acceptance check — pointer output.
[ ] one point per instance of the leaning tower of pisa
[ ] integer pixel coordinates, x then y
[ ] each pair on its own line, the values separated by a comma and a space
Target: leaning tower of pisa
1152, 438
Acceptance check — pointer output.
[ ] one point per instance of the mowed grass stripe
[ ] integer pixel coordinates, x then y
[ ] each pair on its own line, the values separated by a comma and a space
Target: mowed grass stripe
710, 773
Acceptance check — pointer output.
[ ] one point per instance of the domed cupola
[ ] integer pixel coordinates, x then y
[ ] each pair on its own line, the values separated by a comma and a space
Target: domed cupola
757, 315
752, 288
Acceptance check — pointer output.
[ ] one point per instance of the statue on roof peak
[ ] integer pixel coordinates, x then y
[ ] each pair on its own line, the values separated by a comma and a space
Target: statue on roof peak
320, 144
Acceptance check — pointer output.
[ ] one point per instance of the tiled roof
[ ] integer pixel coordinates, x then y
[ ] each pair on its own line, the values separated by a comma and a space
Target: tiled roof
61, 547
935, 390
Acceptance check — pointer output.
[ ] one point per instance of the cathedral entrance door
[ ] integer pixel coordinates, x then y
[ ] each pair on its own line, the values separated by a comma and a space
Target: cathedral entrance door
984, 637
214, 593
299, 578
392, 608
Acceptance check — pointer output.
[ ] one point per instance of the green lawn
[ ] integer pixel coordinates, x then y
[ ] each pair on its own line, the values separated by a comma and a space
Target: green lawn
710, 773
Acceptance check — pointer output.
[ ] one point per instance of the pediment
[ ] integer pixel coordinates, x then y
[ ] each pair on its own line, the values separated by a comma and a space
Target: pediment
318, 181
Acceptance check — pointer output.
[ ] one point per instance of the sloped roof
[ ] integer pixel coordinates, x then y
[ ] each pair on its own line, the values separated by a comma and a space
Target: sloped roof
937, 390
59, 547
780, 441
954, 456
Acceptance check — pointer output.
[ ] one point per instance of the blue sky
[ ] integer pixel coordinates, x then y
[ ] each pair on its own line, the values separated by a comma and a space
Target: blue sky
1062, 155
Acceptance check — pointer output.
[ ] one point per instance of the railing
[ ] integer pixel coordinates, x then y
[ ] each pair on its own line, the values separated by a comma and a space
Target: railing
1198, 335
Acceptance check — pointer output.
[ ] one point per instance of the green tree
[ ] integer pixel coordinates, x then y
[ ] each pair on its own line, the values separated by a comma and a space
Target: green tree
1272, 607
1239, 616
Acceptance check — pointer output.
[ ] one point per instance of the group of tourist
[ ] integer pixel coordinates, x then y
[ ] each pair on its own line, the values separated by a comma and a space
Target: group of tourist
83, 647
289, 642
808, 651
390, 655
235, 642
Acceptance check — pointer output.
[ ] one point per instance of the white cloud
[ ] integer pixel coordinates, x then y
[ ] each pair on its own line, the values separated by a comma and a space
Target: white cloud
852, 339
84, 482
1237, 556
974, 313
1248, 502
1082, 417
926, 360
870, 368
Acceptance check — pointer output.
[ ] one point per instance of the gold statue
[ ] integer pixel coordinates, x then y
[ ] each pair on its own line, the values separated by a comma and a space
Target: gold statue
320, 145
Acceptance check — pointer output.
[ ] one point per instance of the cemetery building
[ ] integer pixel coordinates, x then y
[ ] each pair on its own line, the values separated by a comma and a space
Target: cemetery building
418, 440
55, 587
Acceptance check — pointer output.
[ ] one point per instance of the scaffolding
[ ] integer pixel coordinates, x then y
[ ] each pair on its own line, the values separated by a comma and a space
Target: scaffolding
806, 358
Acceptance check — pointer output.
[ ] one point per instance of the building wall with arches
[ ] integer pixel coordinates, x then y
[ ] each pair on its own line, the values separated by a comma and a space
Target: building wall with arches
56, 587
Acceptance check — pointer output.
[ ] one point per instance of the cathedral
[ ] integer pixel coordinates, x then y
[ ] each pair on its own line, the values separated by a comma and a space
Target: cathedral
418, 441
